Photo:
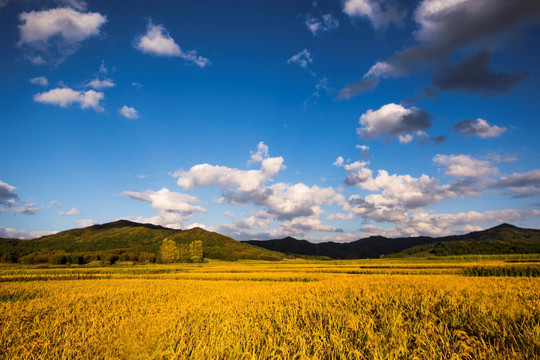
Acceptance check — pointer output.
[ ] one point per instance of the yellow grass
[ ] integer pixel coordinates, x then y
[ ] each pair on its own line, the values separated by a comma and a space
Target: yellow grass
256, 310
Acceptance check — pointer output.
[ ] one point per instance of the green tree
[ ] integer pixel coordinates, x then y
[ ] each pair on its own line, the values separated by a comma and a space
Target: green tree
169, 251
196, 251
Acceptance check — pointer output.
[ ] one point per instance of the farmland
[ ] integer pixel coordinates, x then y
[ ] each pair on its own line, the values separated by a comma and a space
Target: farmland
471, 308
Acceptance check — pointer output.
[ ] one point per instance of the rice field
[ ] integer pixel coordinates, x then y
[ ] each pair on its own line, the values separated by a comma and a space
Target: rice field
294, 309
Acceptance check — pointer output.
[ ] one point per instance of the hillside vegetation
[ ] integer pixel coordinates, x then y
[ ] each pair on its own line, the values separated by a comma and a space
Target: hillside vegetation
123, 240
502, 239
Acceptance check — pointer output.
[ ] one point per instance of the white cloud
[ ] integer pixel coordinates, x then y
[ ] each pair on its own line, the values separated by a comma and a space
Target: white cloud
339, 161
465, 166
521, 184
392, 120
35, 59
480, 128
65, 27
7, 195
128, 112
303, 58
380, 69
365, 151
103, 69
64, 97
298, 227
27, 209
174, 209
381, 13
326, 23
260, 154
101, 84
71, 25
157, 41
405, 139
288, 202
41, 80
166, 200
282, 201
229, 178
75, 4
86, 222
10, 233
71, 212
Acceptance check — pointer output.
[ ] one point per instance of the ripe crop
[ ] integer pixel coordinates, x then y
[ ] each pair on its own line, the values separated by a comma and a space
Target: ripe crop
258, 310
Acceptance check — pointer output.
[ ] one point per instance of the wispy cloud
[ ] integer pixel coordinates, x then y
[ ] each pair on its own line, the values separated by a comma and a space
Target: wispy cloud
41, 80
157, 41
303, 58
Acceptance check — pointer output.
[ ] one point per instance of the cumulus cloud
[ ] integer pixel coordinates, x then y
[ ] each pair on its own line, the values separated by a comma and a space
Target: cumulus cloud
157, 41
61, 29
101, 84
246, 229
282, 201
27, 209
288, 202
8, 198
325, 23
128, 112
448, 26
465, 166
41, 80
525, 184
71, 212
422, 223
228, 178
65, 97
174, 209
260, 154
303, 58
10, 233
166, 200
479, 128
392, 120
381, 13
474, 75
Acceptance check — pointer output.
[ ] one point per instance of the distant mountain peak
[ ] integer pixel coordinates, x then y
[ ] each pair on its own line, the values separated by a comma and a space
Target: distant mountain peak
126, 223
504, 226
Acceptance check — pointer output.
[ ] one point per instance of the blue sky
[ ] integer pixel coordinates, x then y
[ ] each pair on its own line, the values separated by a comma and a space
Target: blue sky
322, 120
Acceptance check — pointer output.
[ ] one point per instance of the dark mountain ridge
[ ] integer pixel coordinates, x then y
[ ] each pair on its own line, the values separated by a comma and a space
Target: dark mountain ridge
504, 238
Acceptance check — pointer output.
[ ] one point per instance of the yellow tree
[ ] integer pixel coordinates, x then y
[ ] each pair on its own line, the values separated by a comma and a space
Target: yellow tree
169, 251
196, 251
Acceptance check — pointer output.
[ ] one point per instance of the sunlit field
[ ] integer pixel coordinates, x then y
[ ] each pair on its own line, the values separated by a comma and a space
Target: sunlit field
484, 308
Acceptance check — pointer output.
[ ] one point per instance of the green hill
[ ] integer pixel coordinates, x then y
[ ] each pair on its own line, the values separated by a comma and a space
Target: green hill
125, 240
502, 239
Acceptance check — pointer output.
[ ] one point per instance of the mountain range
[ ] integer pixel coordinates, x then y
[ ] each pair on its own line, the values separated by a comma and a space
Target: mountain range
141, 242
502, 239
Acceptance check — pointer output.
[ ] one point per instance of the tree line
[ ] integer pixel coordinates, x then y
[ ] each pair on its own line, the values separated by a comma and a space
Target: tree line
171, 252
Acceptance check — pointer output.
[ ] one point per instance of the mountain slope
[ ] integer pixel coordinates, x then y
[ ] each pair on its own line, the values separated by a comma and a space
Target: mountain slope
124, 236
504, 238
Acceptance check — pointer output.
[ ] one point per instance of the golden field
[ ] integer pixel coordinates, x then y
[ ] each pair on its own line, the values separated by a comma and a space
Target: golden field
293, 309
